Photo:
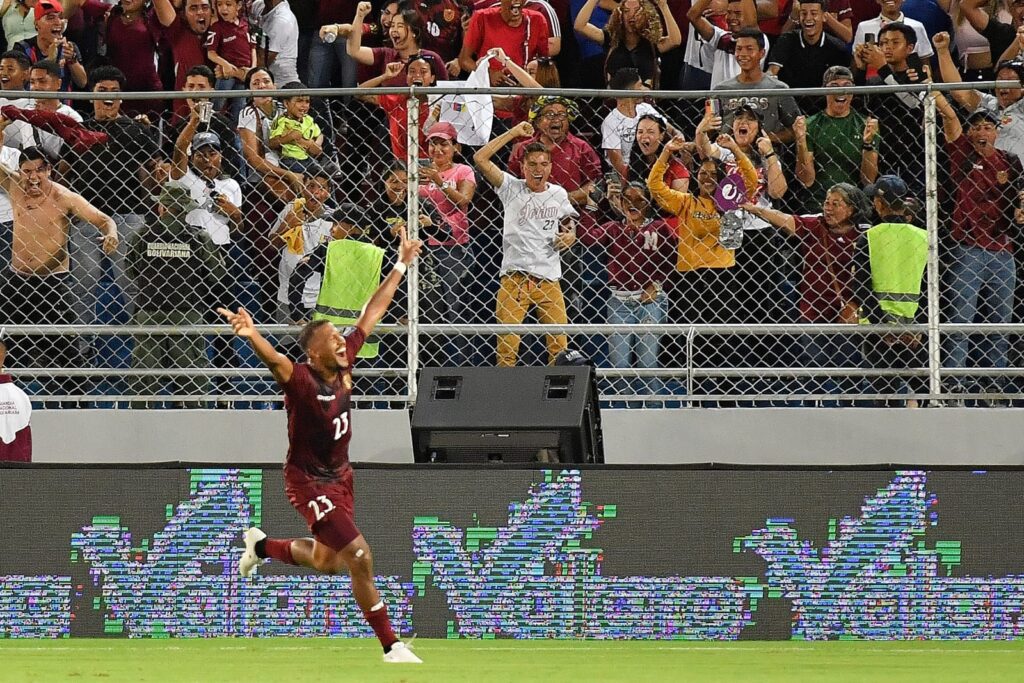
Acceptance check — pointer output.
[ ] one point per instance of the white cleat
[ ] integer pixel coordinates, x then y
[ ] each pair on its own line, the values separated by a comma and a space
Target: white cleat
247, 565
401, 654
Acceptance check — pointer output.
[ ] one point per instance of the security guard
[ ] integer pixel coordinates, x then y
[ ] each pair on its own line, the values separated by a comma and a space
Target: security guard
889, 266
177, 270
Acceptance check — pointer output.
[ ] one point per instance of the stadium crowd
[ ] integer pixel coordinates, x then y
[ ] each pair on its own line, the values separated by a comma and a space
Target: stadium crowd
593, 210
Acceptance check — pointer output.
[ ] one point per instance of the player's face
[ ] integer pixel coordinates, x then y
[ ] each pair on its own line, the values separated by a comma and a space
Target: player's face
537, 168
327, 350
35, 177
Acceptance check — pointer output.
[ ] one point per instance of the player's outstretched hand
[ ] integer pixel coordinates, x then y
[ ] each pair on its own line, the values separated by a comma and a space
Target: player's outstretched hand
241, 322
408, 250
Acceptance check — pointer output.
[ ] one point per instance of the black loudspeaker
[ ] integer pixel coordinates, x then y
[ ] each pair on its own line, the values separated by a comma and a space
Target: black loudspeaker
522, 414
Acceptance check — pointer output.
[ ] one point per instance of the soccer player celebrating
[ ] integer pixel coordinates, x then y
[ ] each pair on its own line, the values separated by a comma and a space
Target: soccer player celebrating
317, 472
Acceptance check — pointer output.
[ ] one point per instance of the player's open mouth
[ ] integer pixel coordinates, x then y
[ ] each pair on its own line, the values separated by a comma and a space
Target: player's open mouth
742, 130
538, 176
810, 24
516, 8
842, 99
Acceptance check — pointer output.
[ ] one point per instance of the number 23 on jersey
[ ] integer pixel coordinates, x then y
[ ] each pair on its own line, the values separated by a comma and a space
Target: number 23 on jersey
340, 425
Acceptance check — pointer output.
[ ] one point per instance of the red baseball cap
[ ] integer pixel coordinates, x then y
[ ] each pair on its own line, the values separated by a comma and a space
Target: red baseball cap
443, 129
44, 7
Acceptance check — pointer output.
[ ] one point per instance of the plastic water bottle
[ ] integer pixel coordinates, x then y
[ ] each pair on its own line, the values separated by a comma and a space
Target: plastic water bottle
730, 232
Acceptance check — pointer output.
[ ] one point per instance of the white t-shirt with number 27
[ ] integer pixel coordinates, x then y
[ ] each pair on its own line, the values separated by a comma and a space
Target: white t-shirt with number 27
532, 222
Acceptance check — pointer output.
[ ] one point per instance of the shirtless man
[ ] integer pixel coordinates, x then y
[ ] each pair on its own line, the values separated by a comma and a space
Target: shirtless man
37, 287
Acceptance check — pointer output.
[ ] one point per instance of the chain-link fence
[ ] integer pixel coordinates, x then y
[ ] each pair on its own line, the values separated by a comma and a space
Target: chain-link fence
837, 246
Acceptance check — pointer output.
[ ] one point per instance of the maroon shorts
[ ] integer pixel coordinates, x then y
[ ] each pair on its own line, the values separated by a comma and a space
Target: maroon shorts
328, 506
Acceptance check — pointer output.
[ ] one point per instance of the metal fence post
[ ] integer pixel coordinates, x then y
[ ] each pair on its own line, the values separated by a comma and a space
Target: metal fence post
932, 226
412, 154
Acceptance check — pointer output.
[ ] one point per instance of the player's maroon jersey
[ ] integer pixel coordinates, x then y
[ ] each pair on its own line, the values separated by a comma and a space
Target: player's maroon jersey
442, 23
319, 417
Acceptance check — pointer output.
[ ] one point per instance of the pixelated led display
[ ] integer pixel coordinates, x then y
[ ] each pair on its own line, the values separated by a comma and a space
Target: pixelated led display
595, 554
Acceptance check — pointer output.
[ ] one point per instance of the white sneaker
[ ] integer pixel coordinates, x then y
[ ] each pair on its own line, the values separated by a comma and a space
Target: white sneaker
401, 654
247, 565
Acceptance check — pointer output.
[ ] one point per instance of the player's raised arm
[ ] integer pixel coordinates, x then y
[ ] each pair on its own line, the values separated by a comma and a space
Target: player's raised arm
279, 364
381, 299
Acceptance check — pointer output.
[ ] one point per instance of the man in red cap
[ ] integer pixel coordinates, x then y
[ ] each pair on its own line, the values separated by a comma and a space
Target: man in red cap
50, 43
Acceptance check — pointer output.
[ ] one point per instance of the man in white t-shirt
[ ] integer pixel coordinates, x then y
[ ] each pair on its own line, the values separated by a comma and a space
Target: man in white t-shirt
618, 131
300, 228
539, 224
890, 15
281, 30
219, 197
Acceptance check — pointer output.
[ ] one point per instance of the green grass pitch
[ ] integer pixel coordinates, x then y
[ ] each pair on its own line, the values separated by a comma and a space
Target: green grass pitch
483, 661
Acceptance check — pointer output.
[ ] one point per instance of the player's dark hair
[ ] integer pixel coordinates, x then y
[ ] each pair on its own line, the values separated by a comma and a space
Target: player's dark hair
20, 57
107, 73
899, 27
306, 336
204, 71
535, 147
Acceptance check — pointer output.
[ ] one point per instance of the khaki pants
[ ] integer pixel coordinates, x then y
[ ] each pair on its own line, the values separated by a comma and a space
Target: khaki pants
517, 293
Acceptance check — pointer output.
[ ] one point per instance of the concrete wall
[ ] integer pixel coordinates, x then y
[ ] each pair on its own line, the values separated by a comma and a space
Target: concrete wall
783, 436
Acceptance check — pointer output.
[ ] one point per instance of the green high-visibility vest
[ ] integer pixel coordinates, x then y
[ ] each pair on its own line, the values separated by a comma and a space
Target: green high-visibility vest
351, 276
898, 253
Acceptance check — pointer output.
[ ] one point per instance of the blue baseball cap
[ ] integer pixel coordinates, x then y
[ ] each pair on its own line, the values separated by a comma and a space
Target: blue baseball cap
891, 188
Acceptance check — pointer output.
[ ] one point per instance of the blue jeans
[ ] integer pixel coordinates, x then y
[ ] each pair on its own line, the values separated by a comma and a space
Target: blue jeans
645, 346
975, 271
831, 351
448, 303
234, 104
324, 58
